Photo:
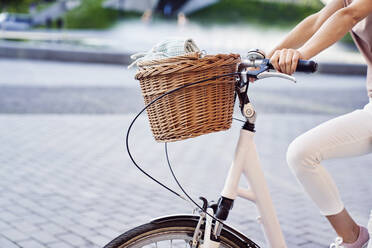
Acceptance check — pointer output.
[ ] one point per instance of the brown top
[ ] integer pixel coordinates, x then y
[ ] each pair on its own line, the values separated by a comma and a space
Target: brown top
362, 36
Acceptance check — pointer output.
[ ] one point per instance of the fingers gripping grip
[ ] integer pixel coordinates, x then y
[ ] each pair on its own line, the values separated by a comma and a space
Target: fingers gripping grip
307, 66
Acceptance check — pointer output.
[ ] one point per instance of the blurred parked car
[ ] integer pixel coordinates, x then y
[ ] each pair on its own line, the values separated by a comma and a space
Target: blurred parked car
10, 21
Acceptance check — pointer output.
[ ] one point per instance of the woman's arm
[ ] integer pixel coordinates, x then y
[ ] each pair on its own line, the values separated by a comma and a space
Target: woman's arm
307, 28
336, 27
299, 34
332, 30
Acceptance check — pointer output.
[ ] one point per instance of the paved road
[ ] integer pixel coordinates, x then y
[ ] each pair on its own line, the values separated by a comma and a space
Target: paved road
45, 87
66, 181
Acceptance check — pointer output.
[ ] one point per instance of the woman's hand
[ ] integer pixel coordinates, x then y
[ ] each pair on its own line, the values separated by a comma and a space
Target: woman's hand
285, 60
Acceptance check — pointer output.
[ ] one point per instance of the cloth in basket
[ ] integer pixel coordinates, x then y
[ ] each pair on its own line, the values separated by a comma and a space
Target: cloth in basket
168, 48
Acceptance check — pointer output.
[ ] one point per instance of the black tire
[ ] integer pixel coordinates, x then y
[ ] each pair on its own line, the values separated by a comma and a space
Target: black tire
183, 229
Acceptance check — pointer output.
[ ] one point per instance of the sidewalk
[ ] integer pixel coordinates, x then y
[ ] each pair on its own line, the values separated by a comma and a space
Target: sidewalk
57, 194
116, 45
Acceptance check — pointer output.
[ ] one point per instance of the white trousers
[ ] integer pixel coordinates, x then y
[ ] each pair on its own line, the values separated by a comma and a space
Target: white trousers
344, 136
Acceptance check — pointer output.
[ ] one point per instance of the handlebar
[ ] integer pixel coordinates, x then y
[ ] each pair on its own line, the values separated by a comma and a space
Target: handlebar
262, 66
307, 66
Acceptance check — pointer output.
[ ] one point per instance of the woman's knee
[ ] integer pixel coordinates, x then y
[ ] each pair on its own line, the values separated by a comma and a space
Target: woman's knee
301, 153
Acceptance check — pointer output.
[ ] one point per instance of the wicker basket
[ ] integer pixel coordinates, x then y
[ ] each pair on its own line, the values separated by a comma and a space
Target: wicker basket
194, 110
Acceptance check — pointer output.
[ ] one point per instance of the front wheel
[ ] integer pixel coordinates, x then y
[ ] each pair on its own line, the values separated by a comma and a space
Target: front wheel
174, 231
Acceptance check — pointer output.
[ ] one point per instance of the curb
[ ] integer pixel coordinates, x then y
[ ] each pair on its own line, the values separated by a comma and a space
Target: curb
17, 51
65, 55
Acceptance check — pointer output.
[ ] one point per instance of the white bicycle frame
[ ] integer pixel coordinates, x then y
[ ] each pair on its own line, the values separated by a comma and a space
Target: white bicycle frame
246, 162
246, 159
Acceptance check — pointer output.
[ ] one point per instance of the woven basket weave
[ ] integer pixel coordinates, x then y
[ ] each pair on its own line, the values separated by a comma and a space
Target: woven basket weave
194, 110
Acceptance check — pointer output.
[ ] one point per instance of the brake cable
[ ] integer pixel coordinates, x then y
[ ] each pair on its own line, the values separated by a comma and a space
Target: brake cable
166, 150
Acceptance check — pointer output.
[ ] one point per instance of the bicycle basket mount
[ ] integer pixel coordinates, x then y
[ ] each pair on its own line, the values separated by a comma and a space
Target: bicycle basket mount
191, 111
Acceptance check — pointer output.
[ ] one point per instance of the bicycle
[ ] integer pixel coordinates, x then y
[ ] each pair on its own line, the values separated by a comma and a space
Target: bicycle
208, 230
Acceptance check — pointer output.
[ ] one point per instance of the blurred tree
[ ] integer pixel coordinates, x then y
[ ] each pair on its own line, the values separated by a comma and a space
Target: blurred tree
313, 3
10, 2
16, 5
91, 14
261, 12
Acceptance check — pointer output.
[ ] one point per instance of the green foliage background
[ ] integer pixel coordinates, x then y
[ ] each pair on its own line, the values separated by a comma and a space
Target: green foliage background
91, 15
19, 6
255, 11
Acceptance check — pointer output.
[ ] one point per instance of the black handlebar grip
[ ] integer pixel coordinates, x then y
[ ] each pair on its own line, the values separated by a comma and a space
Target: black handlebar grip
307, 66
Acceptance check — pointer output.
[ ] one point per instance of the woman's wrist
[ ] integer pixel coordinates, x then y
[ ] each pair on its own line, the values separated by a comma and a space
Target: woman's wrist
305, 54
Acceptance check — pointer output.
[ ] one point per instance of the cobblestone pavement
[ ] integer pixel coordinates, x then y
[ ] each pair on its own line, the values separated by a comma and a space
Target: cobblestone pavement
66, 180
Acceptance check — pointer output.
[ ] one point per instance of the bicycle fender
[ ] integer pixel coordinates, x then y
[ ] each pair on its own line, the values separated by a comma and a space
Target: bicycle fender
195, 218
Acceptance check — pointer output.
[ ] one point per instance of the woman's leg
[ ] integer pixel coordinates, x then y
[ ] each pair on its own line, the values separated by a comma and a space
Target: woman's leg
345, 226
347, 135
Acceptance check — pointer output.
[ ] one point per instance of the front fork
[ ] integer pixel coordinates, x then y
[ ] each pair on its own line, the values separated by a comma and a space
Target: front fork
211, 239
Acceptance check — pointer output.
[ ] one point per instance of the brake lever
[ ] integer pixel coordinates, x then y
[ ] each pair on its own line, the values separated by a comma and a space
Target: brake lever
267, 74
